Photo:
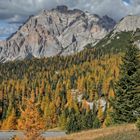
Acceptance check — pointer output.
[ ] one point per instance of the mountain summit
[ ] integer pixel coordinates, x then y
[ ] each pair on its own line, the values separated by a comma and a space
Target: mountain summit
59, 31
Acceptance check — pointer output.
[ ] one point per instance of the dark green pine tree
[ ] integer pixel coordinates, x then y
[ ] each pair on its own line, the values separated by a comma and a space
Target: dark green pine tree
126, 104
73, 124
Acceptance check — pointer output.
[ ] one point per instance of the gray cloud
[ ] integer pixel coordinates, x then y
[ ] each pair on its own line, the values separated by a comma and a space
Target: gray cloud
7, 29
114, 8
15, 11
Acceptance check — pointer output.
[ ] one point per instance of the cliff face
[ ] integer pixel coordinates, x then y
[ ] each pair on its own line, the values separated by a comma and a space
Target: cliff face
56, 32
128, 23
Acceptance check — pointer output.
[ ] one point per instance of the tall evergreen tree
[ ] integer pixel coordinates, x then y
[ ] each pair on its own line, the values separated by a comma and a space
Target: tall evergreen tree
126, 104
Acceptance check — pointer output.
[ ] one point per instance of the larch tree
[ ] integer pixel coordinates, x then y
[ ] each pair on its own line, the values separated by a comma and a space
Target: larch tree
100, 113
11, 121
31, 121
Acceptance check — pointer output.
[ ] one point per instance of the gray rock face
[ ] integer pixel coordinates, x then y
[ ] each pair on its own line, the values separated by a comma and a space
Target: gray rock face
129, 23
56, 32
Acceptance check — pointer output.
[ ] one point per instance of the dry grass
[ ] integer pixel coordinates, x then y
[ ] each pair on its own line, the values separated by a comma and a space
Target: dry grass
100, 134
56, 129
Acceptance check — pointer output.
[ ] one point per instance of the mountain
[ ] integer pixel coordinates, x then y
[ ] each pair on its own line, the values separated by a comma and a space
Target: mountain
59, 31
117, 40
128, 23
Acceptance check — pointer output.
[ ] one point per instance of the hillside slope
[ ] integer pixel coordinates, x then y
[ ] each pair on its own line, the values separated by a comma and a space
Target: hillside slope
128, 29
122, 132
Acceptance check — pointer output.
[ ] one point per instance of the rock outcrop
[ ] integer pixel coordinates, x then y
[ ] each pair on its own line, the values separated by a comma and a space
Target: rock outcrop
128, 23
59, 31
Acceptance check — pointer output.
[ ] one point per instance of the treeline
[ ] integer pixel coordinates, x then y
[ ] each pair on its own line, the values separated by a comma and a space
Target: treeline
17, 69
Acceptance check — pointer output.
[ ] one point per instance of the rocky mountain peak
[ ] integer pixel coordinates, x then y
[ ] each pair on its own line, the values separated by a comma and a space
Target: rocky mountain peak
59, 31
62, 8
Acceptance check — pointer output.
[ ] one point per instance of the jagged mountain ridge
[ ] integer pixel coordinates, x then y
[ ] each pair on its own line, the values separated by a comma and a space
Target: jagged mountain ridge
59, 31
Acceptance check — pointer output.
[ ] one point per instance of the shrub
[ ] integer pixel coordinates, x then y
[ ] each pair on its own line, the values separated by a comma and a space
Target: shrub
138, 123
96, 123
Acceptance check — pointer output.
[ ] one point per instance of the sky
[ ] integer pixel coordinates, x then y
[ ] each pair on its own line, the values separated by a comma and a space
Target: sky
14, 12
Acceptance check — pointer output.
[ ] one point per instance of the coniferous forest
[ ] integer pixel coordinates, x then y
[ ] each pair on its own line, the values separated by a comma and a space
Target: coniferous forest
69, 70
91, 89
